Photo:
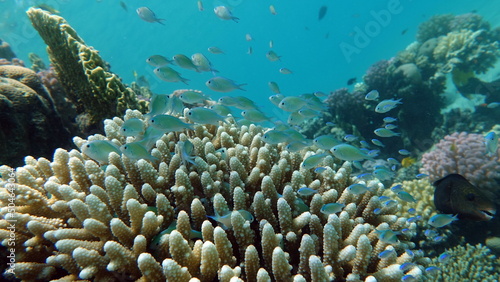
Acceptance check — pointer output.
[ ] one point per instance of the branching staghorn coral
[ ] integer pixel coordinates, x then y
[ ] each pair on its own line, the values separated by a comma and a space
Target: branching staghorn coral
136, 219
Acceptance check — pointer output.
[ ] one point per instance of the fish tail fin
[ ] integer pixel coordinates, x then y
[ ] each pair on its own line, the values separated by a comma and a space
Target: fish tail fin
160, 21
235, 19
185, 80
240, 85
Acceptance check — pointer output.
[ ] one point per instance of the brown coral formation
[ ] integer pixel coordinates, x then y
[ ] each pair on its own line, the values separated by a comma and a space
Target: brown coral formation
29, 122
86, 221
97, 92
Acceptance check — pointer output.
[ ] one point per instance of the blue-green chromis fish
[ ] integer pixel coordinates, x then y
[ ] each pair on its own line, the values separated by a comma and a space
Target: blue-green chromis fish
136, 151
158, 61
99, 150
148, 15
168, 123
387, 105
276, 99
313, 161
387, 236
326, 142
158, 104
274, 87
204, 116
222, 84
372, 95
357, 188
491, 143
193, 97
332, 208
186, 149
225, 220
168, 74
348, 152
132, 127
202, 63
215, 50
440, 220
184, 62
292, 103
405, 196
306, 191
384, 132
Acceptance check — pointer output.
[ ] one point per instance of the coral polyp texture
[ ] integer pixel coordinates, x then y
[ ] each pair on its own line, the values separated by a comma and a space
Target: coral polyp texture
231, 215
464, 153
84, 75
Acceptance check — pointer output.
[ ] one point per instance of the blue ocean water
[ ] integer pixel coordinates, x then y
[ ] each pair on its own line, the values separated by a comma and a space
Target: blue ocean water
323, 54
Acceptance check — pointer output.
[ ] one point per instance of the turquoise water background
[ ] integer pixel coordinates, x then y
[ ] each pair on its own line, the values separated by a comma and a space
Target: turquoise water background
310, 48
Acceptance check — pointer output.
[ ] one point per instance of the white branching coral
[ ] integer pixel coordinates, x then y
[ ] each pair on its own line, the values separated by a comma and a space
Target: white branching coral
232, 214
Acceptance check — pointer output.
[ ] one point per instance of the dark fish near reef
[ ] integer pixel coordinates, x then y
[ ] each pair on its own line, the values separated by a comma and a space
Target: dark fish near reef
351, 81
456, 195
322, 12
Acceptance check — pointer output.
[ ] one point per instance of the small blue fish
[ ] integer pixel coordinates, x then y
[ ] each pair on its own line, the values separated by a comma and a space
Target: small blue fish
383, 174
99, 150
319, 169
491, 143
390, 203
387, 105
386, 254
372, 95
406, 231
389, 119
357, 188
225, 220
313, 160
409, 278
132, 127
306, 191
404, 152
222, 84
493, 105
390, 126
432, 270
393, 161
444, 257
421, 175
147, 15
378, 143
377, 211
383, 198
413, 219
429, 233
364, 176
405, 196
387, 236
412, 211
348, 152
350, 138
364, 144
383, 132
440, 220
397, 188
438, 239
373, 153
332, 208
136, 151
409, 253
406, 266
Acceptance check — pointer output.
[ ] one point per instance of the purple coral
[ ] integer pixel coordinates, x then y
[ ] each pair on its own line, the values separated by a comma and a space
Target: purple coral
465, 154
376, 75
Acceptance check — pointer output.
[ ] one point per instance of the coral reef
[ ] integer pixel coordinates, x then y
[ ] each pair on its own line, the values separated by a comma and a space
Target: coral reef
467, 50
469, 263
96, 92
5, 51
135, 219
465, 154
29, 122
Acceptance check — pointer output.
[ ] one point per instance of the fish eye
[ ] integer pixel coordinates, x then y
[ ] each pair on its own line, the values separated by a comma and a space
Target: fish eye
190, 113
88, 145
124, 129
470, 197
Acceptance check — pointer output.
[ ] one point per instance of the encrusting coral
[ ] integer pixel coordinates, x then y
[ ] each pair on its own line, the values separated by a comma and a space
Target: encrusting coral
148, 220
97, 93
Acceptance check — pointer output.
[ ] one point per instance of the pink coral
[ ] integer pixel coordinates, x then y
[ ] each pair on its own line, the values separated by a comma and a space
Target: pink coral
465, 154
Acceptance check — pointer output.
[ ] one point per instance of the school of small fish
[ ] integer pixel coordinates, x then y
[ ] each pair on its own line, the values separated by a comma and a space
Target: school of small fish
168, 113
